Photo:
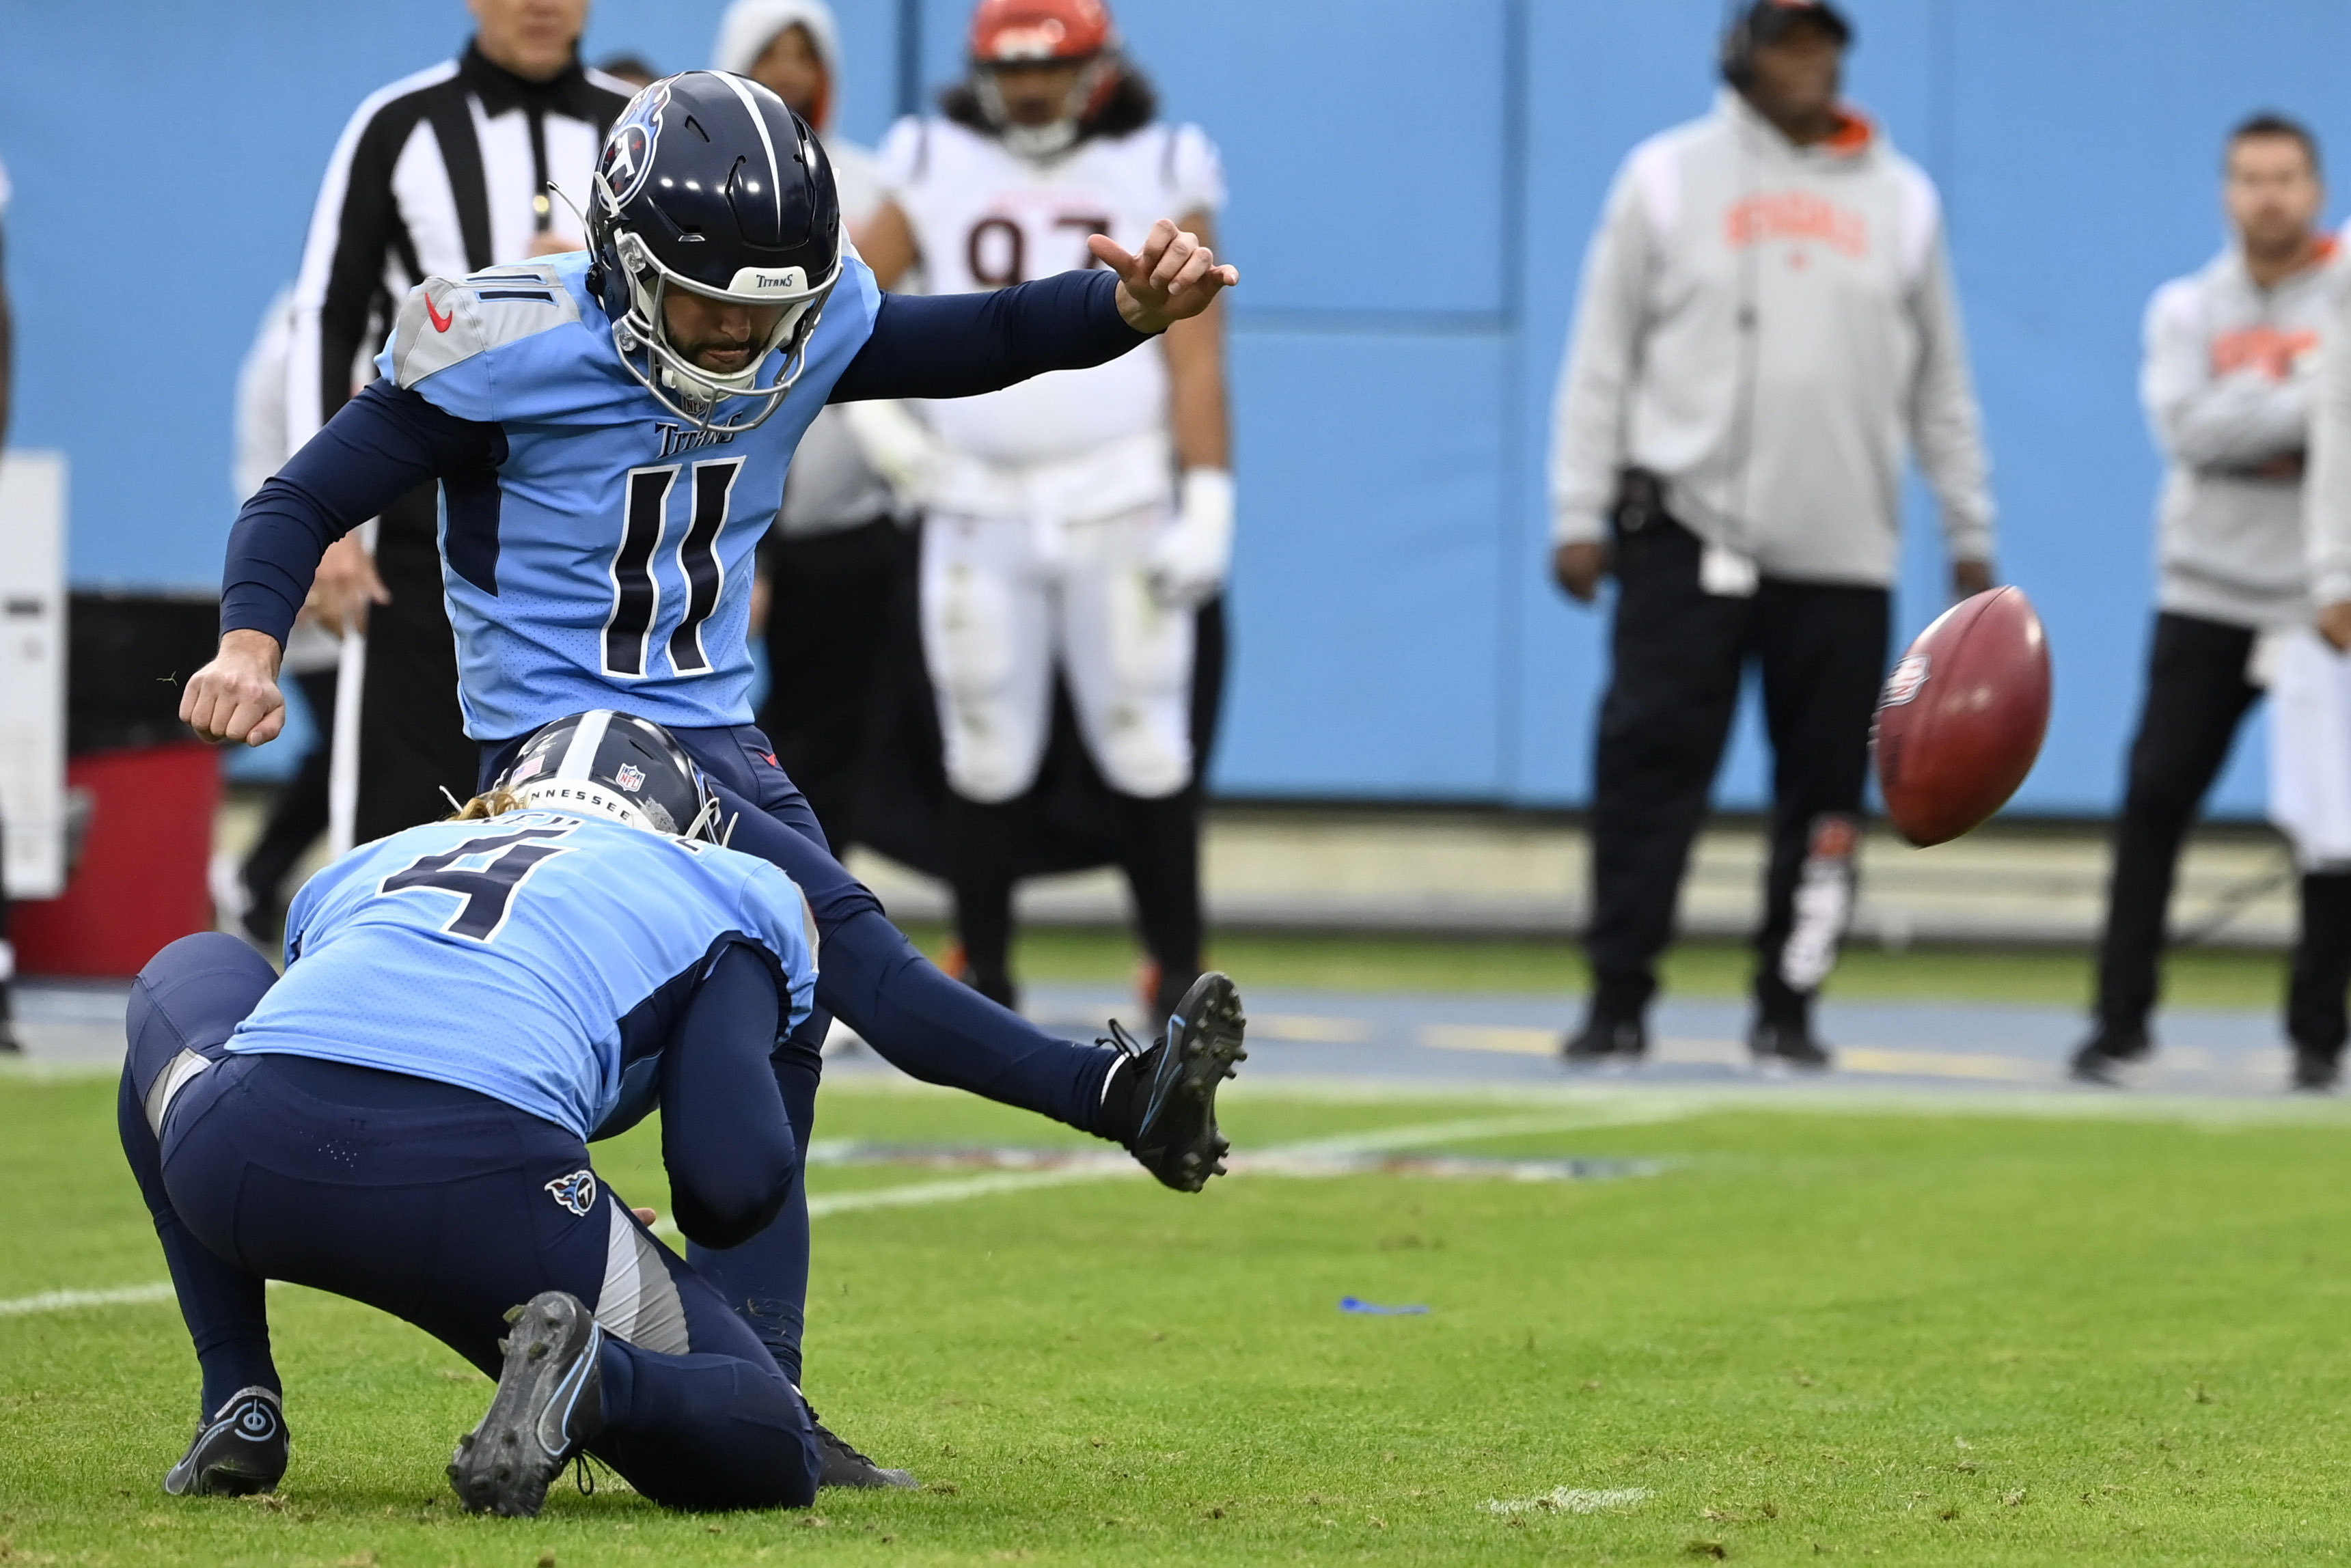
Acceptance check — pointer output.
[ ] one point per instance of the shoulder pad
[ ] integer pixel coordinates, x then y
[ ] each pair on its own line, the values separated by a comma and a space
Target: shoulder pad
445, 322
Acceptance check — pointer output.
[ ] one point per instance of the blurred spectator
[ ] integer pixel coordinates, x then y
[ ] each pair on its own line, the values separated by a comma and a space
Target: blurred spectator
442, 172
252, 896
8, 1043
629, 68
2232, 359
1766, 313
1077, 525
838, 553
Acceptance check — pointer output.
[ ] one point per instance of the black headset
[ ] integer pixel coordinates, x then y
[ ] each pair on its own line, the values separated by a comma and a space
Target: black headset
1736, 56
1736, 59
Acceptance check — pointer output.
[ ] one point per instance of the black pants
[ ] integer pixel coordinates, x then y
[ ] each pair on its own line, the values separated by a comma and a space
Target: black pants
299, 813
1678, 655
827, 663
412, 740
1158, 848
2196, 696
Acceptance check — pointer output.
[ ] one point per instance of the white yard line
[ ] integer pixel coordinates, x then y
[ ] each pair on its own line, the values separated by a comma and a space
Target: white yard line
68, 1300
1377, 1140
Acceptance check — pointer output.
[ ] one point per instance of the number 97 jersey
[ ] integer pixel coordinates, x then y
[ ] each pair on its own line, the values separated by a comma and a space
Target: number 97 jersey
984, 219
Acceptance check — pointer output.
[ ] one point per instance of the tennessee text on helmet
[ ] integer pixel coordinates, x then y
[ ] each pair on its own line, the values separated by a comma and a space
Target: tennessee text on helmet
709, 185
1043, 32
1753, 22
615, 766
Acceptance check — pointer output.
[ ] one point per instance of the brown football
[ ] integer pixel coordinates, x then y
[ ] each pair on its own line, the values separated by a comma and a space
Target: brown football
1961, 717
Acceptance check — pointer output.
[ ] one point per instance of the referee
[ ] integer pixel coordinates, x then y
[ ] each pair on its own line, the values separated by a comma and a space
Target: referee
1766, 315
443, 173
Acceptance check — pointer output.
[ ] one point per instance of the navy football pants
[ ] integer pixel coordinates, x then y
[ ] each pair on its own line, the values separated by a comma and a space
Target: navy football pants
446, 1207
871, 977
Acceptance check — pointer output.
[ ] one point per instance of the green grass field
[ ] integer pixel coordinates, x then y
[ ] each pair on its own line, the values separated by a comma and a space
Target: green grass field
1948, 1330
2059, 976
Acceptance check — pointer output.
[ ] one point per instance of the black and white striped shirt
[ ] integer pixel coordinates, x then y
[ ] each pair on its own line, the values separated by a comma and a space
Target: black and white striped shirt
442, 173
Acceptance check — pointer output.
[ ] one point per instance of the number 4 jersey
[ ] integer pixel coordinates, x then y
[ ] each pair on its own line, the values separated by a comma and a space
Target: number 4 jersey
608, 545
984, 219
539, 958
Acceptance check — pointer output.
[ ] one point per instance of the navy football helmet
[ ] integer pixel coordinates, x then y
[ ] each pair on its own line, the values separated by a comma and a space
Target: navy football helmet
710, 184
614, 765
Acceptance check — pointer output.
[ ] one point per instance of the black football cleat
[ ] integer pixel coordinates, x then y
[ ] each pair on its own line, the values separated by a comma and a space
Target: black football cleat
239, 1450
845, 1466
2104, 1055
546, 1405
1775, 1045
1605, 1040
2315, 1071
1175, 1085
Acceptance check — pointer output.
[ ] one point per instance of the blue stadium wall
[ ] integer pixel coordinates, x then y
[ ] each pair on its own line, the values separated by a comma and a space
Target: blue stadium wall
1412, 188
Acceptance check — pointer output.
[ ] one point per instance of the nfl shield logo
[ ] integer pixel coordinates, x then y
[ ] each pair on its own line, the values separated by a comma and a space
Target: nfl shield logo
630, 777
1903, 684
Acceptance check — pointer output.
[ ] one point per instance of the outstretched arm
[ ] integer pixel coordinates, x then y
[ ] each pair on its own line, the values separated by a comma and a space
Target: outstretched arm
378, 447
959, 345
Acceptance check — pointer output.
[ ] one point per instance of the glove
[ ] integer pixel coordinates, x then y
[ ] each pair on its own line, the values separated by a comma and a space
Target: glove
900, 448
1187, 563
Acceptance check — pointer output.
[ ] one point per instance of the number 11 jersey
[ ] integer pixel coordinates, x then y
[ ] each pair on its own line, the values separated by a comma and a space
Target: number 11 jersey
603, 558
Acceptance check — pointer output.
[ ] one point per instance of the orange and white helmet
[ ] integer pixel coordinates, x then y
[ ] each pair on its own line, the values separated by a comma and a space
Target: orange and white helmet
1015, 32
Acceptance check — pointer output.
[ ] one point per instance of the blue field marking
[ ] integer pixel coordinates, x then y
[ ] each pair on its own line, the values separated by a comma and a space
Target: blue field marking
1443, 1039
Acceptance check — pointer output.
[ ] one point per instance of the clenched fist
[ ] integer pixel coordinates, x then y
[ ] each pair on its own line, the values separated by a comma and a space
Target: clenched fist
235, 696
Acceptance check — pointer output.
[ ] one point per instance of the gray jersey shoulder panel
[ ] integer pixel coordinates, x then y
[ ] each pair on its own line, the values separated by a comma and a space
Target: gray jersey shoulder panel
446, 322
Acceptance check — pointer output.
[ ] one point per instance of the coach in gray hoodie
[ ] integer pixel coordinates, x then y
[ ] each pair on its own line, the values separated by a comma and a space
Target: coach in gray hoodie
2231, 363
1767, 321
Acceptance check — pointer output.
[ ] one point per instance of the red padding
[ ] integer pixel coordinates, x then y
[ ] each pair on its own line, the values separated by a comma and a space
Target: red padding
140, 883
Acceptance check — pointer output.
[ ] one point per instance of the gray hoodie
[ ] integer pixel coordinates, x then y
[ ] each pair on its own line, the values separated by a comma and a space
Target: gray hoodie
2227, 384
1783, 441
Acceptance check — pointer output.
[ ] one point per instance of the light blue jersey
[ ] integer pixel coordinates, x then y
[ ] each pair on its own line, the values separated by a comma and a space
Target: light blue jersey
606, 561
535, 957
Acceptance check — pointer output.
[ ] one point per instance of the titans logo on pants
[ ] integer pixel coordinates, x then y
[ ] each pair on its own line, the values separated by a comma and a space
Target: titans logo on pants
576, 1192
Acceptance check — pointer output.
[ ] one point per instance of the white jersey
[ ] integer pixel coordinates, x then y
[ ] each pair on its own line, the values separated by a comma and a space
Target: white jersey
985, 219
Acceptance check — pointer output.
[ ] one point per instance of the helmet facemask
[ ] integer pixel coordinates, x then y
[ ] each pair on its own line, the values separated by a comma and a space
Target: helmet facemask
1056, 136
641, 334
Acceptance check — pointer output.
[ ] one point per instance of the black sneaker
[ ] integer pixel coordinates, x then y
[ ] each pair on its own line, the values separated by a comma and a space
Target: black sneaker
1603, 1040
240, 1450
1775, 1044
547, 1403
1172, 1087
2317, 1072
2101, 1059
845, 1466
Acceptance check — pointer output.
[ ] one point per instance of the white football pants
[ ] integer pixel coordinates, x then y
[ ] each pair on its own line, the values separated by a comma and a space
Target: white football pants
1004, 598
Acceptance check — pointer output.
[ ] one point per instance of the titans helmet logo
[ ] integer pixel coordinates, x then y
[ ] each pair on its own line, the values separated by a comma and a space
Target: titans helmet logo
628, 160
